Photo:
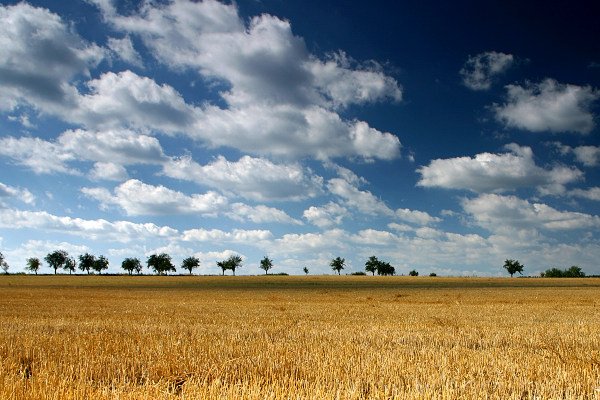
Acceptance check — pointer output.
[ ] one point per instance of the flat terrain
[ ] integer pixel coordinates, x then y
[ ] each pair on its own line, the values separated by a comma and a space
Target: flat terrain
315, 337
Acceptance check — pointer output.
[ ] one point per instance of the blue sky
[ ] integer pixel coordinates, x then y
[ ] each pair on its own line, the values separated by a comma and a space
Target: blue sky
439, 137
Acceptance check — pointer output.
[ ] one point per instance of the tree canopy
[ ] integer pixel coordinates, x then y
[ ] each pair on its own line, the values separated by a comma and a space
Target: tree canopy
33, 264
513, 266
57, 259
70, 265
573, 272
266, 264
132, 265
161, 263
337, 264
86, 262
190, 263
232, 263
100, 264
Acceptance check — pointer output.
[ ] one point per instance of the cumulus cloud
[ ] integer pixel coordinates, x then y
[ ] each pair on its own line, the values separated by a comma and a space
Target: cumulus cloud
480, 70
252, 178
327, 216
138, 198
117, 147
124, 50
496, 212
11, 192
589, 156
125, 99
281, 99
488, 172
235, 236
99, 229
590, 194
361, 200
416, 217
40, 156
259, 214
108, 172
548, 106
39, 56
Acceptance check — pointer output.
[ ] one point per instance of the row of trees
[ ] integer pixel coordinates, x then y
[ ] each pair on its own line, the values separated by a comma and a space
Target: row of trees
573, 272
162, 264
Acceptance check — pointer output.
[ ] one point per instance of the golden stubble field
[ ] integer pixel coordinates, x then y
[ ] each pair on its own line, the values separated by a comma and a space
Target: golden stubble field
315, 337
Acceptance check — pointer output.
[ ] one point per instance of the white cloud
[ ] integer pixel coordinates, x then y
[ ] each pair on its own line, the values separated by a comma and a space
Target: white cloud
125, 99
99, 229
416, 217
260, 214
108, 171
342, 85
548, 106
280, 98
480, 70
496, 213
40, 156
589, 156
311, 244
590, 194
327, 216
235, 236
487, 172
18, 193
361, 200
400, 227
138, 198
39, 56
251, 178
118, 147
123, 49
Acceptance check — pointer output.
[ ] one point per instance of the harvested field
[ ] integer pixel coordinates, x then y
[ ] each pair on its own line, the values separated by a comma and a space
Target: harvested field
286, 337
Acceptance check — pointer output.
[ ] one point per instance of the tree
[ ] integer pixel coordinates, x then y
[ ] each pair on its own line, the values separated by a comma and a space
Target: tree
100, 264
385, 268
190, 263
232, 263
305, 269
33, 264
372, 265
266, 264
573, 272
413, 273
70, 265
86, 262
132, 265
337, 264
56, 259
513, 266
222, 265
3, 264
161, 263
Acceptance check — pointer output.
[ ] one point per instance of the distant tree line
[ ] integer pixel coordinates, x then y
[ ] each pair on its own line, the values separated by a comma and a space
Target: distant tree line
161, 264
573, 272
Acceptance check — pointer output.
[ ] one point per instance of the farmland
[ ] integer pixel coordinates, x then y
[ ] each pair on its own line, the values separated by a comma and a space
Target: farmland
314, 337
